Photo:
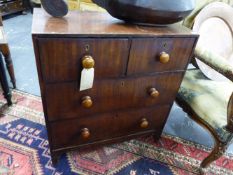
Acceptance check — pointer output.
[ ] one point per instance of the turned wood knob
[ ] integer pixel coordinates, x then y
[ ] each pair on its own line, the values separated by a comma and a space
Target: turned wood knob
153, 92
88, 62
144, 123
85, 133
87, 102
164, 57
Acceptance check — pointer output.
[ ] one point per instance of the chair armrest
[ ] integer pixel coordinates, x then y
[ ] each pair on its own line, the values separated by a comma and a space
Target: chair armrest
215, 61
219, 64
229, 126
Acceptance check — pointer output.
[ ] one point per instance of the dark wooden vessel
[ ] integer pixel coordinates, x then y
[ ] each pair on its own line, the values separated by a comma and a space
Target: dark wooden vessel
148, 11
56, 8
138, 71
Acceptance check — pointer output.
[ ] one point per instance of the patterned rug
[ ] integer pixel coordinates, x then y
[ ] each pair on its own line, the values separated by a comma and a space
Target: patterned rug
24, 150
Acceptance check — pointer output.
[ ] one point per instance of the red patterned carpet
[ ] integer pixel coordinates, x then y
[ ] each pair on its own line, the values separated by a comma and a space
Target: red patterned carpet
24, 150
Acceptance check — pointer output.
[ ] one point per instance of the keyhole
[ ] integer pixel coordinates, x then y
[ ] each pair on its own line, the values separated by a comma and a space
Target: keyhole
164, 45
122, 83
87, 48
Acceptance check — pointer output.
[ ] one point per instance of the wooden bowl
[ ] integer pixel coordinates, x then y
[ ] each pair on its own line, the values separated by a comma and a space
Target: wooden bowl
146, 12
149, 12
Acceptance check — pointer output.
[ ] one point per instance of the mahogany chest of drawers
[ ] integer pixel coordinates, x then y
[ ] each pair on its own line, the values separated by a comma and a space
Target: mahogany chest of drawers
137, 73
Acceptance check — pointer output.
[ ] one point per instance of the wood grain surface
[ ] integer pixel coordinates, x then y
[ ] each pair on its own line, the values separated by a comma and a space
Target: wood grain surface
64, 100
86, 23
61, 58
106, 126
145, 54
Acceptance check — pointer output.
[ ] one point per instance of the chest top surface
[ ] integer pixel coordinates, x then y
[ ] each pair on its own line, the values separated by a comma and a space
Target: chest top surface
84, 23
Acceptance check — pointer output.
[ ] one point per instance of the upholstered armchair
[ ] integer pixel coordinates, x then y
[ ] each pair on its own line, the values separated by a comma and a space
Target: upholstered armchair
208, 102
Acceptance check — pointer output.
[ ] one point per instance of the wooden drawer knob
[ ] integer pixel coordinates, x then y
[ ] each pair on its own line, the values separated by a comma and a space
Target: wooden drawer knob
85, 133
164, 57
144, 123
153, 92
87, 102
88, 62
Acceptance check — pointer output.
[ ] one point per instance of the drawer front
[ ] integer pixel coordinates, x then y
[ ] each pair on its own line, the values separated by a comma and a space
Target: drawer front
66, 101
15, 5
145, 55
8, 7
106, 126
61, 59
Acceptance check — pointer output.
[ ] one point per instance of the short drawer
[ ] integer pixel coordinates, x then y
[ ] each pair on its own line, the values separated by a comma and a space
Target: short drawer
11, 6
15, 5
107, 126
66, 101
146, 55
61, 58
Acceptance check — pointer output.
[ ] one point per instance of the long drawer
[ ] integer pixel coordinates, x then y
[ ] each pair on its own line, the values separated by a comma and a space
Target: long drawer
108, 125
66, 101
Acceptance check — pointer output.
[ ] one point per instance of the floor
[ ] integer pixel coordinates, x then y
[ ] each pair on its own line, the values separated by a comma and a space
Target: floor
18, 30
